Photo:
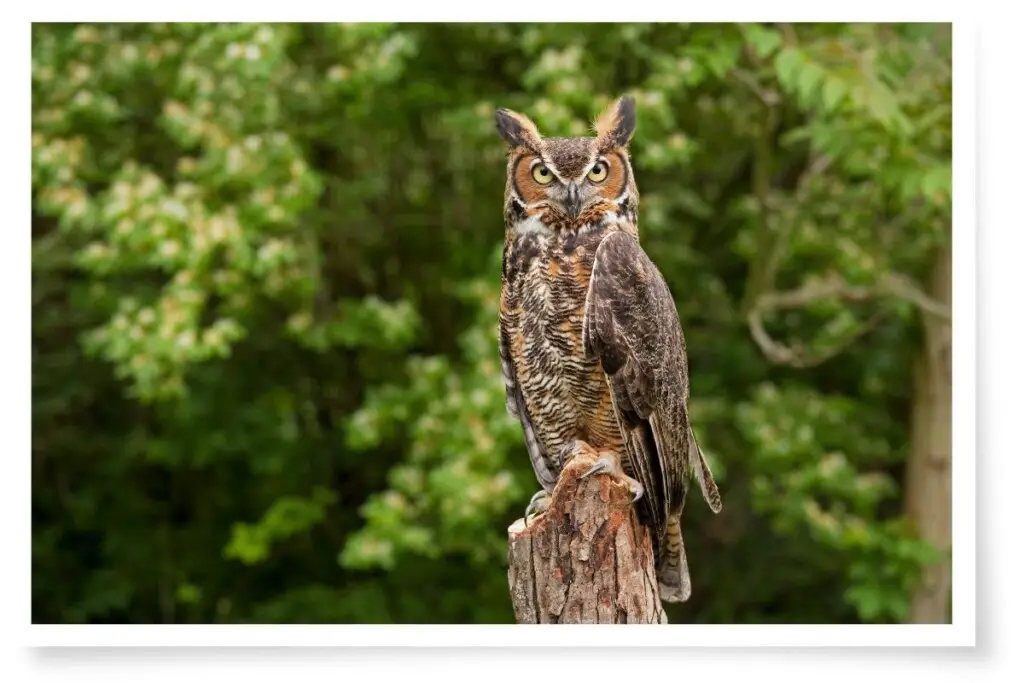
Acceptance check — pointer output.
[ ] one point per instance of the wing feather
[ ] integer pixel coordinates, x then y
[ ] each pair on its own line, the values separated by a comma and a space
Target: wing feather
631, 324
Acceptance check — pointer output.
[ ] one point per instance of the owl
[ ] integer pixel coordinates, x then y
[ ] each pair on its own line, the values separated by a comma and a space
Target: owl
591, 345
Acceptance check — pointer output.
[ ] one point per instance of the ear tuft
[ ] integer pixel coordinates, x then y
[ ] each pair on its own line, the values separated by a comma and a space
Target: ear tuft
516, 129
616, 125
508, 127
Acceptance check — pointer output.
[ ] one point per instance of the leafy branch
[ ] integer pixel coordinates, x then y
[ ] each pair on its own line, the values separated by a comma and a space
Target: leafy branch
891, 285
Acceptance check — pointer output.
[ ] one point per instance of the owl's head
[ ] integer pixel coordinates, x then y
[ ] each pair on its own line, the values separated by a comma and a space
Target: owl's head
570, 180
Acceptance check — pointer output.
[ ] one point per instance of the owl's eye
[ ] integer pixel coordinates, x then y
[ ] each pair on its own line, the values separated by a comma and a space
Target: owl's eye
542, 175
599, 172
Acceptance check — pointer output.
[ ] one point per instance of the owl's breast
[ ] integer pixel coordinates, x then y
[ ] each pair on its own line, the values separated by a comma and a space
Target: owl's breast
566, 393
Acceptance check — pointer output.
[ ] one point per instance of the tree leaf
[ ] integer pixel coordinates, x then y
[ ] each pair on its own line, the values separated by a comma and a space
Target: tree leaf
764, 40
833, 93
787, 65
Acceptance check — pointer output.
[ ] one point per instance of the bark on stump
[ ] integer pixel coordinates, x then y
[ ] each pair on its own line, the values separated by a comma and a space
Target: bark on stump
587, 559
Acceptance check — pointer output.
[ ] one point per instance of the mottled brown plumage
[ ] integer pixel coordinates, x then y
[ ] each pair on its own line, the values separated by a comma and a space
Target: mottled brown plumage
590, 341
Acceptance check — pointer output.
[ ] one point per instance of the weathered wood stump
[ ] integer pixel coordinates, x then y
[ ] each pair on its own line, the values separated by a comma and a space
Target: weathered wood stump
587, 559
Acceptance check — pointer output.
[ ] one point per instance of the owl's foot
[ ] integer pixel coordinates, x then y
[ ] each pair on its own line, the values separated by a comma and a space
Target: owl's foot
538, 504
611, 464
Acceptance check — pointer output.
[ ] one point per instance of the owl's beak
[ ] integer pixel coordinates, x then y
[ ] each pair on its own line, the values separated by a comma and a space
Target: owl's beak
573, 203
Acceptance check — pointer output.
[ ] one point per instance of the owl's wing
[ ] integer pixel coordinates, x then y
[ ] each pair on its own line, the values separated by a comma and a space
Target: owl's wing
516, 406
631, 324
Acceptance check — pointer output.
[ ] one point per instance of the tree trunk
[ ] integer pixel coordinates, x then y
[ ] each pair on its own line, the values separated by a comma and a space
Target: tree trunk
928, 482
587, 559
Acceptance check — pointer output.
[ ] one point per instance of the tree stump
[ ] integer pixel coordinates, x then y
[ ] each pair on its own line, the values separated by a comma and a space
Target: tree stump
587, 559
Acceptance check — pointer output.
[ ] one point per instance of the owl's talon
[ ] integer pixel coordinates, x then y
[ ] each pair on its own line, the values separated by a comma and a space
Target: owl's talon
610, 464
538, 504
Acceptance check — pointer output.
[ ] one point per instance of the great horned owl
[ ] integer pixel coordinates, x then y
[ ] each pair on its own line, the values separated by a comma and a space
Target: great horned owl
590, 341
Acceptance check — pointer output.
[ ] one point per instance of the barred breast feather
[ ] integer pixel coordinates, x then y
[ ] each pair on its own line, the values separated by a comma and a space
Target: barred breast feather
556, 391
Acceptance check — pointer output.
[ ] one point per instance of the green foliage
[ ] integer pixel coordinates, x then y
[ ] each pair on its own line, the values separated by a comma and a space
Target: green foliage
250, 543
453, 479
817, 472
265, 276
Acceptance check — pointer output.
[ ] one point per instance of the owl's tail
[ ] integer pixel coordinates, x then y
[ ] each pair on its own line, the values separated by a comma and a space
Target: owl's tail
672, 570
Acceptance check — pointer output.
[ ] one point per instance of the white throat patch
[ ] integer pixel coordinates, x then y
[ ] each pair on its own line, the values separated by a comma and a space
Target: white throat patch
532, 225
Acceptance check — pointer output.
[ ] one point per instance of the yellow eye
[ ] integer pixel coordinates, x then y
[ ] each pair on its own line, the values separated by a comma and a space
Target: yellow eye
599, 172
542, 175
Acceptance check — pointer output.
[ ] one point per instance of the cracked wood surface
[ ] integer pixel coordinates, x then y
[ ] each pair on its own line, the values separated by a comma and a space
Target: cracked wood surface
587, 559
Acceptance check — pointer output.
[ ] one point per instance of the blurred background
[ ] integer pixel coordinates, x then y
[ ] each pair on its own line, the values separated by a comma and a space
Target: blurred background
265, 262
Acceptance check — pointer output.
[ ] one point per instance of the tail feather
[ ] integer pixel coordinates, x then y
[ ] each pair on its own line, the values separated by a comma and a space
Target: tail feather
670, 554
672, 571
700, 470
